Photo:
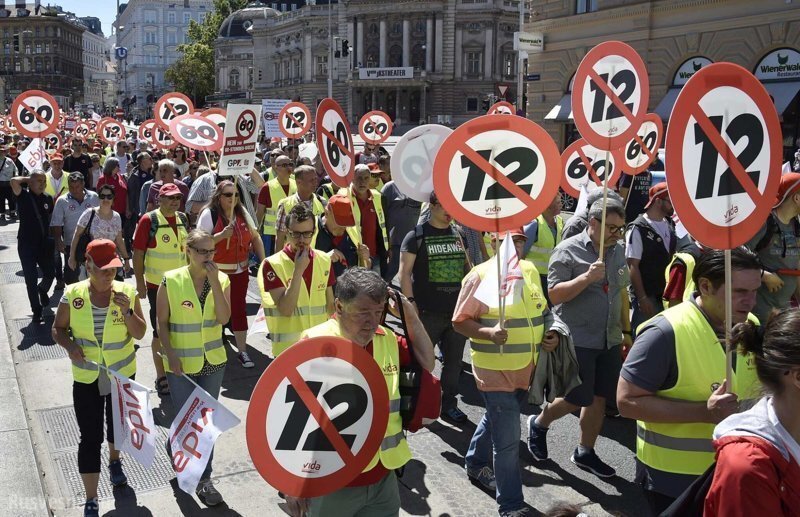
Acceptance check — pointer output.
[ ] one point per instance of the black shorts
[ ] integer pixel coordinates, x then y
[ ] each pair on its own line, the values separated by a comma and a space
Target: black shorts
599, 371
152, 293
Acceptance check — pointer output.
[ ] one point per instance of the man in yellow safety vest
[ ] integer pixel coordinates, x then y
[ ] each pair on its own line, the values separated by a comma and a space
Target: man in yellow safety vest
305, 178
674, 383
543, 233
271, 193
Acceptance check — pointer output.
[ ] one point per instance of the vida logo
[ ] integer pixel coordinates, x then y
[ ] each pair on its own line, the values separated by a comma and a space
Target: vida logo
312, 468
493, 210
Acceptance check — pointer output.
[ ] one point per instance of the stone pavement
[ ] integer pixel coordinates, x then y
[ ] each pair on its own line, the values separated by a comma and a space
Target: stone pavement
39, 438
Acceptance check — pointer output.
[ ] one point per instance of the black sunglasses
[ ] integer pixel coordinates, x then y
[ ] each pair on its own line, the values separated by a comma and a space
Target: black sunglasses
106, 196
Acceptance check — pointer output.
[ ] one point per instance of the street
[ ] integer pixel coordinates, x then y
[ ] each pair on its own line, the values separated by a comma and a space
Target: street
43, 435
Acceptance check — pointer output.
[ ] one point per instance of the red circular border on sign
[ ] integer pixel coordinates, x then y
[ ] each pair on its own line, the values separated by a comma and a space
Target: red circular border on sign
256, 425
216, 111
602, 50
50, 127
579, 143
241, 117
493, 110
58, 146
363, 121
82, 125
707, 233
482, 124
303, 129
655, 119
177, 137
102, 131
147, 124
325, 106
162, 100
158, 144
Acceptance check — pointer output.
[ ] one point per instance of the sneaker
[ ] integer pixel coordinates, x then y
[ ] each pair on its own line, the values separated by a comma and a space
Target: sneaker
537, 440
118, 477
483, 476
44, 298
91, 508
209, 495
522, 512
454, 416
590, 462
244, 358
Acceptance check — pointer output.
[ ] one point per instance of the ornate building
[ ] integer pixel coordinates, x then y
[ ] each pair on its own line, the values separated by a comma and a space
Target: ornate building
416, 60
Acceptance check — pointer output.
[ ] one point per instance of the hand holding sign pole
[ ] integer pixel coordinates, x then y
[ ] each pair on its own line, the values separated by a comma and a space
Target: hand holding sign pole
723, 195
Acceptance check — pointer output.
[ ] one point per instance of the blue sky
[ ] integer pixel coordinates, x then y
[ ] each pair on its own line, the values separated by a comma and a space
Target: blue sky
103, 9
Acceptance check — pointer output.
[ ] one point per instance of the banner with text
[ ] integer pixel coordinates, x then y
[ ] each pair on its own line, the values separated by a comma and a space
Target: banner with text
134, 429
271, 108
399, 72
241, 133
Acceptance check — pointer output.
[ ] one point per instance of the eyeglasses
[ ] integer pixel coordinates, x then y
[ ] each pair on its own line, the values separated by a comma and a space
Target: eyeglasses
615, 230
206, 252
106, 196
300, 235
177, 197
230, 194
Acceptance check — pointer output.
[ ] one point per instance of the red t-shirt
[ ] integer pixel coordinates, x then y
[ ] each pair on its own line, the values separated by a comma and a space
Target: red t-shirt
271, 280
677, 282
263, 195
142, 240
378, 472
120, 204
369, 224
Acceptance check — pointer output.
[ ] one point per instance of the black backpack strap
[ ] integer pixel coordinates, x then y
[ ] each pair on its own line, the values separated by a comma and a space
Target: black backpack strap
153, 225
184, 220
419, 235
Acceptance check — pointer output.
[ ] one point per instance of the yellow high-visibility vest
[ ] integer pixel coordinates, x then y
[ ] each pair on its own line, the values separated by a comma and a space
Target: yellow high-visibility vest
276, 195
170, 250
50, 188
355, 232
540, 251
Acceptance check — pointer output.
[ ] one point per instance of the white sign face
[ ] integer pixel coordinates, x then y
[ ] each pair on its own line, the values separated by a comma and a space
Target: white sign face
296, 439
375, 127
689, 67
781, 64
296, 121
241, 133
400, 72
413, 158
529, 41
584, 163
271, 109
335, 143
642, 150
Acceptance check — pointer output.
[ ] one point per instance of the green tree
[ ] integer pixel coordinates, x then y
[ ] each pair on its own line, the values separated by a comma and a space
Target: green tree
193, 73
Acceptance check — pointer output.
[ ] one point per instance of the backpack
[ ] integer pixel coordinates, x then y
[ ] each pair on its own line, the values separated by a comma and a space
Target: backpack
154, 223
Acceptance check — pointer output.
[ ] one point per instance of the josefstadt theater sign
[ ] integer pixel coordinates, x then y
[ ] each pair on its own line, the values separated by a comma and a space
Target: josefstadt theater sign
779, 65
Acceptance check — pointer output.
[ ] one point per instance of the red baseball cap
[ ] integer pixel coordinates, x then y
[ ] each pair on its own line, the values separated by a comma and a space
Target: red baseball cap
374, 168
169, 189
57, 156
790, 182
657, 191
103, 253
342, 210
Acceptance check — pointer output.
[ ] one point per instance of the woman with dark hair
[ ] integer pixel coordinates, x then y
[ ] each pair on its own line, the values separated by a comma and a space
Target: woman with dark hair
235, 236
113, 176
181, 162
101, 223
758, 451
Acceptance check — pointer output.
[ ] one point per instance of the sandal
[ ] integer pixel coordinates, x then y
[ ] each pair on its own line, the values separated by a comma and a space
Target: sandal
162, 386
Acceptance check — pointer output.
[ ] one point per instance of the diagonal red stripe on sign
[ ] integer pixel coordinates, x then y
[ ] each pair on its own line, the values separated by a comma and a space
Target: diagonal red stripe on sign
611, 95
319, 414
375, 127
727, 154
330, 136
33, 112
496, 175
299, 125
590, 167
648, 152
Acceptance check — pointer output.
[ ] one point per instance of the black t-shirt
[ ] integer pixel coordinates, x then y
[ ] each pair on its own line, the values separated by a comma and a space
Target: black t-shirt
438, 268
80, 164
34, 217
327, 242
638, 196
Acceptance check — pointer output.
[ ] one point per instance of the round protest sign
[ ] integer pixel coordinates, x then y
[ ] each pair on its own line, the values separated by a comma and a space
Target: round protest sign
112, 131
162, 139
35, 113
196, 132
334, 142
217, 116
501, 108
642, 150
413, 158
294, 120
583, 163
52, 142
610, 95
724, 150
491, 173
146, 129
10, 126
81, 130
169, 106
317, 416
375, 127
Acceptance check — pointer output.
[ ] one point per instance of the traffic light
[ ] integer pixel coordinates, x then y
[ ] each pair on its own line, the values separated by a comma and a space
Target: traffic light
345, 48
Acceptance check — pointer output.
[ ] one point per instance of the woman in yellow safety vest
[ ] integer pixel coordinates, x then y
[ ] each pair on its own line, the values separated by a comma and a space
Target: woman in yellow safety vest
193, 303
97, 322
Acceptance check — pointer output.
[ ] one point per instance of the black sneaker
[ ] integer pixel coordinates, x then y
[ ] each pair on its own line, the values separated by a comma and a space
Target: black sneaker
454, 416
590, 462
116, 475
207, 493
91, 508
537, 440
44, 298
483, 476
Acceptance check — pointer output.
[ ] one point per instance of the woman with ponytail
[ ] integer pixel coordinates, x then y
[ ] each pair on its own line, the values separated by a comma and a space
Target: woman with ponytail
758, 451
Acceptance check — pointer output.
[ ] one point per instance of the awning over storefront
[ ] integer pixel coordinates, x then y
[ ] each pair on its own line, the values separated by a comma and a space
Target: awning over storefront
561, 112
664, 107
782, 94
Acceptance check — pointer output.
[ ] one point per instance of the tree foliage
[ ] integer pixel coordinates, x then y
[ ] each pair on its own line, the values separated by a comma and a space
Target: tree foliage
193, 73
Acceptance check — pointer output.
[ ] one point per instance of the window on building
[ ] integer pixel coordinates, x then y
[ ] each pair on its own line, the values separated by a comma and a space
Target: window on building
17, 65
509, 64
296, 64
373, 29
27, 48
420, 26
286, 70
233, 78
46, 48
473, 64
472, 104
585, 6
7, 48
322, 65
396, 56
149, 16
187, 17
171, 17
38, 48
397, 28
38, 65
276, 71
172, 38
150, 38
371, 60
46, 65
418, 56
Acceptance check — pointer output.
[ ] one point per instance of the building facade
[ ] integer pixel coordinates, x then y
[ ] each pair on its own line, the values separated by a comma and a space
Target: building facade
436, 61
98, 81
41, 49
151, 31
675, 39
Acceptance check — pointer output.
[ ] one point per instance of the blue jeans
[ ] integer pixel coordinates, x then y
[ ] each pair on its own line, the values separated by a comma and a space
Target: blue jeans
267, 240
180, 390
497, 438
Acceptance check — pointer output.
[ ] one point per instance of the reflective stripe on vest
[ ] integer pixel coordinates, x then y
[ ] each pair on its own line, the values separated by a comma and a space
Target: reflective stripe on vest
524, 320
117, 351
540, 251
276, 195
193, 335
377, 204
394, 451
169, 253
311, 307
685, 448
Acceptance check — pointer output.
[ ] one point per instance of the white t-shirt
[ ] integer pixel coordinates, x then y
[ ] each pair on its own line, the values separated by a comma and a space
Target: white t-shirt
102, 228
633, 249
788, 440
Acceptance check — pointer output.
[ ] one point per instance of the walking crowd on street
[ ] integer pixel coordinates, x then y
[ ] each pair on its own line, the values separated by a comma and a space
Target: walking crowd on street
618, 315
